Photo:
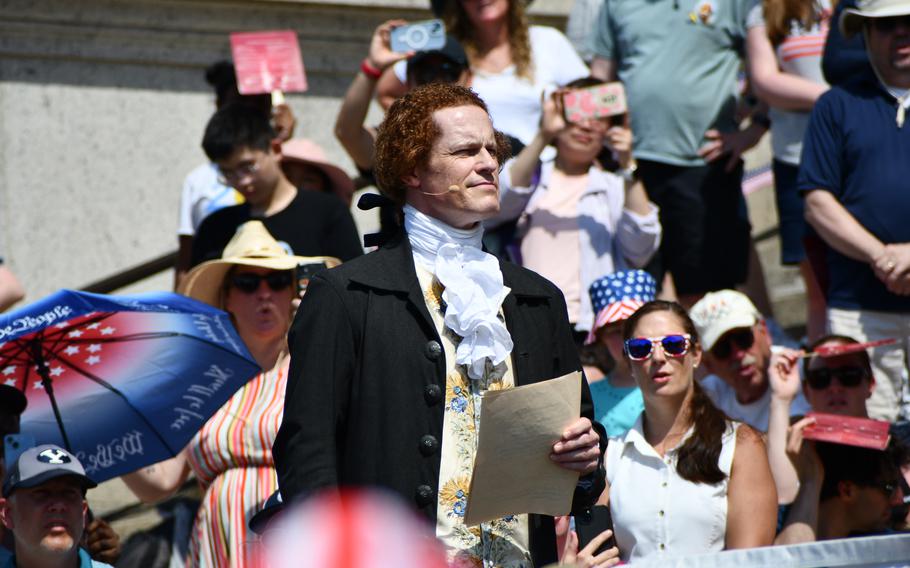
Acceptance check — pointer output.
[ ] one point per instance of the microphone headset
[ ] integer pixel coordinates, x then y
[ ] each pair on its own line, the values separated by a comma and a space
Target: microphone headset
438, 193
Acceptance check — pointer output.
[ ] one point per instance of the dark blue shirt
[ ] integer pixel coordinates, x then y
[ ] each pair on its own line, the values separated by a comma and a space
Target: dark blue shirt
854, 149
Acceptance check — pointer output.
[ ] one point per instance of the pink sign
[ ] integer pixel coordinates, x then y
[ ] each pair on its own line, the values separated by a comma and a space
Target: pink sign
594, 102
267, 61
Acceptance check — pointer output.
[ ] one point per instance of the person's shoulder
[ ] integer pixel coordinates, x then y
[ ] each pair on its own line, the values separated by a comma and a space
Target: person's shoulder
746, 434
226, 216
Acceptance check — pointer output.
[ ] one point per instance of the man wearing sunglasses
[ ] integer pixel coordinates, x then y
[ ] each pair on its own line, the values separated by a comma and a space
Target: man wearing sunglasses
854, 174
737, 351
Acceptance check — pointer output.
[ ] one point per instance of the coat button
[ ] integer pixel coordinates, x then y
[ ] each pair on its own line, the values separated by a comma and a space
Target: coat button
432, 350
428, 445
432, 394
424, 495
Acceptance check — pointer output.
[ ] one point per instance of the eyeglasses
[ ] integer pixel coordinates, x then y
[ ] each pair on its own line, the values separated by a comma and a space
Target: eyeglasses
888, 25
723, 348
848, 377
238, 174
248, 282
642, 348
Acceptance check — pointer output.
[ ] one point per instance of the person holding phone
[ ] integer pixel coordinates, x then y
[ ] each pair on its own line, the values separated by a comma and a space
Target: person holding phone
577, 220
684, 479
511, 62
231, 455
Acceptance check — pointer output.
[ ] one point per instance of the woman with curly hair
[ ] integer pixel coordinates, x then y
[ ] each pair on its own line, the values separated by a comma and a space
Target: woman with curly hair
685, 479
512, 63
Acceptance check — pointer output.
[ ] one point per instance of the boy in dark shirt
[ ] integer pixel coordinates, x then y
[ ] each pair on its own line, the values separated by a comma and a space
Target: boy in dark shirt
240, 140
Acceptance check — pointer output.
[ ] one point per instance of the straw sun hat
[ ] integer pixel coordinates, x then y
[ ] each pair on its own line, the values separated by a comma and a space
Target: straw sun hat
851, 21
252, 245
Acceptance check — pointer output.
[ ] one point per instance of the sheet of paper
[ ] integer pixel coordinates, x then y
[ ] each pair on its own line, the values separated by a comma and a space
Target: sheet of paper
513, 472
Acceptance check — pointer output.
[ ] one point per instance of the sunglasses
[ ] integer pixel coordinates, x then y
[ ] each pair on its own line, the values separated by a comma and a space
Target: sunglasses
848, 377
248, 282
888, 25
642, 348
743, 339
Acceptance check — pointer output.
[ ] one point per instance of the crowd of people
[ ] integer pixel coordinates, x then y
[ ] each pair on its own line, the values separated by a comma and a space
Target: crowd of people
518, 245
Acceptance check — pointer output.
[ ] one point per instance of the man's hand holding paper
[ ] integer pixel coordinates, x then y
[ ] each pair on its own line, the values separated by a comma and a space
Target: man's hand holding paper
579, 447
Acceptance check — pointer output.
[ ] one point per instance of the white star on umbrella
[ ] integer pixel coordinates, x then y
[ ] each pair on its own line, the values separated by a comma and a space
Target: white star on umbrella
9, 370
61, 325
56, 371
108, 330
93, 360
94, 348
37, 385
10, 382
71, 350
74, 333
95, 325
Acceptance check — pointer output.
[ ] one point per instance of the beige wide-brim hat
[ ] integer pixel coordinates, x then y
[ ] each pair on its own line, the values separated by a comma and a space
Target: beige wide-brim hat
308, 152
851, 20
252, 245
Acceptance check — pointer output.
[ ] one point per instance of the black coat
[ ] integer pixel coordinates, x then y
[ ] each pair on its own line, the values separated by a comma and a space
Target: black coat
366, 387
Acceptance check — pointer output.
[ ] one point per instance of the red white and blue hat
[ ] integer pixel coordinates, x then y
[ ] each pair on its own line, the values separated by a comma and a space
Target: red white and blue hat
617, 296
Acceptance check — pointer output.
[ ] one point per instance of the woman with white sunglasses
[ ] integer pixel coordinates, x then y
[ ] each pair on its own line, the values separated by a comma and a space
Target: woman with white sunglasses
684, 479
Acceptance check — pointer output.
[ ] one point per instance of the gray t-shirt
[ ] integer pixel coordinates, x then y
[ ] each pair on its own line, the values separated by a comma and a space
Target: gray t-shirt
799, 54
678, 60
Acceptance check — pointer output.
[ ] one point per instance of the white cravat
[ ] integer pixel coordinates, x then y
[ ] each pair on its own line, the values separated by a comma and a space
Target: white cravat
474, 290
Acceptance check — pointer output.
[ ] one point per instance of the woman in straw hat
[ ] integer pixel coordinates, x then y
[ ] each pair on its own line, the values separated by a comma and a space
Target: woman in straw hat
254, 281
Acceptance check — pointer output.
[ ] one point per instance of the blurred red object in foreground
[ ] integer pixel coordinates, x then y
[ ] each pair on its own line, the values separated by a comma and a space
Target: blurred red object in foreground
351, 529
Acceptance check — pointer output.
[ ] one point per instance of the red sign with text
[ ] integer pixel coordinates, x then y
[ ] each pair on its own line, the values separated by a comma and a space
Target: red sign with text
849, 430
268, 61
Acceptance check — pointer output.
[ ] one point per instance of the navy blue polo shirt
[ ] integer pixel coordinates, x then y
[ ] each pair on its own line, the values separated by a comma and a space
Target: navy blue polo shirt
854, 149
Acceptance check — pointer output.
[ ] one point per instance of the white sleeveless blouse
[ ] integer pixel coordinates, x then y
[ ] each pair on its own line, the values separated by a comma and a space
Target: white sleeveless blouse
656, 513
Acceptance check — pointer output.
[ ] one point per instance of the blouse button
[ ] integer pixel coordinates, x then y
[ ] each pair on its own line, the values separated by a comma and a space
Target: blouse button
662, 546
664, 484
661, 512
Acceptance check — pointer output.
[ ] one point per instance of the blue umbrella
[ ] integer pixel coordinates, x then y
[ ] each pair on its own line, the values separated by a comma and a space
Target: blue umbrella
121, 381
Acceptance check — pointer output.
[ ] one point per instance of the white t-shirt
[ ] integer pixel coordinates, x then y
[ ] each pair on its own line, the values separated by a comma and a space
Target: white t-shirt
755, 414
799, 54
202, 195
514, 102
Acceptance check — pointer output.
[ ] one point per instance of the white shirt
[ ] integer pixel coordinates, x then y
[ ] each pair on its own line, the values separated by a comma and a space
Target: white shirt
657, 513
202, 195
755, 414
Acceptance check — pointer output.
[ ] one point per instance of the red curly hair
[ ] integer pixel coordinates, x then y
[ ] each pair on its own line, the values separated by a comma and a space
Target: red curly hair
408, 132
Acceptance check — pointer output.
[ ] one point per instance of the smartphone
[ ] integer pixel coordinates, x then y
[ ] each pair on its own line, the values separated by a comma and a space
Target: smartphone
420, 36
599, 101
305, 272
14, 445
588, 527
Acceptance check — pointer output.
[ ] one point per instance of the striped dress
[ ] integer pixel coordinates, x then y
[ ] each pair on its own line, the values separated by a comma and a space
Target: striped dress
232, 458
